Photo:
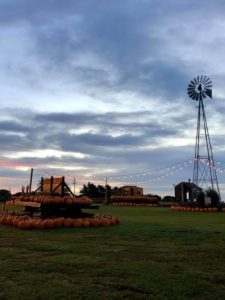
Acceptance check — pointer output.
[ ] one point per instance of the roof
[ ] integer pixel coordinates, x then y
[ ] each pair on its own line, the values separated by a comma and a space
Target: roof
130, 186
189, 185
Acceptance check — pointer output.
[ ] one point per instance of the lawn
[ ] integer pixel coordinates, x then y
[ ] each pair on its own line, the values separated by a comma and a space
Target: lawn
154, 253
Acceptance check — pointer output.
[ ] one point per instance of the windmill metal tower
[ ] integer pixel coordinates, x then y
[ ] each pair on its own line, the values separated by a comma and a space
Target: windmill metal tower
204, 173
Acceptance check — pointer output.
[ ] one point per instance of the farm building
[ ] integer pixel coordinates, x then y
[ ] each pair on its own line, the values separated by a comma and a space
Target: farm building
129, 190
184, 191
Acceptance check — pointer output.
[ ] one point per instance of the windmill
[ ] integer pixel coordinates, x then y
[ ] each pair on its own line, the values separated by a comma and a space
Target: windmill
204, 173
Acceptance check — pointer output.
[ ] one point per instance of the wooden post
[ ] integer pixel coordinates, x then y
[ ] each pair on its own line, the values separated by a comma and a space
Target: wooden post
31, 178
51, 184
74, 184
63, 186
42, 183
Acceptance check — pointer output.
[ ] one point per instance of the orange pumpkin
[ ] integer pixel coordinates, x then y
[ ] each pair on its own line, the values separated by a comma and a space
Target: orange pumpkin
3, 219
77, 223
39, 224
68, 222
105, 222
86, 223
24, 224
16, 221
9, 220
49, 223
58, 222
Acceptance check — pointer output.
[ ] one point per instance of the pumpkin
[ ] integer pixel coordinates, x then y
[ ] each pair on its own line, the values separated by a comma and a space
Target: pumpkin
38, 224
3, 219
58, 222
77, 223
9, 220
86, 223
68, 222
25, 224
105, 222
49, 223
16, 221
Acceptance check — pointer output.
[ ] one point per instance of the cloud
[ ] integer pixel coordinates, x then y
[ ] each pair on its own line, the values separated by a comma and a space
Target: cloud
107, 79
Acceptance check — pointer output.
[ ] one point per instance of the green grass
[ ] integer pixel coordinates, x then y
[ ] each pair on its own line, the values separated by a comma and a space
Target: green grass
154, 253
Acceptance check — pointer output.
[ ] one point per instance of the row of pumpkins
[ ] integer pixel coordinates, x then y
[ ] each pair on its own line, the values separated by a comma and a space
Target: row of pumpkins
26, 222
140, 199
196, 209
134, 204
47, 199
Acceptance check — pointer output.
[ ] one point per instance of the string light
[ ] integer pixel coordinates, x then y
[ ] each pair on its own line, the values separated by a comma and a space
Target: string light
139, 177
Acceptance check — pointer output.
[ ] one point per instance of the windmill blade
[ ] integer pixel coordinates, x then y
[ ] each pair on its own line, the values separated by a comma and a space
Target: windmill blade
208, 85
195, 81
191, 88
208, 81
204, 80
192, 94
203, 95
191, 85
198, 79
193, 97
196, 97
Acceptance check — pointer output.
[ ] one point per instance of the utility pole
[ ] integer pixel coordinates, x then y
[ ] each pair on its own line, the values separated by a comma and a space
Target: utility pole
106, 190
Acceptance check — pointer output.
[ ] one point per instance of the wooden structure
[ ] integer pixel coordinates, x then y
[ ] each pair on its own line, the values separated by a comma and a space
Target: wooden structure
54, 186
185, 191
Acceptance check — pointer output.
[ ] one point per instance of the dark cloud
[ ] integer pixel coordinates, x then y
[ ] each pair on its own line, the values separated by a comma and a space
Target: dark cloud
51, 130
13, 126
14, 142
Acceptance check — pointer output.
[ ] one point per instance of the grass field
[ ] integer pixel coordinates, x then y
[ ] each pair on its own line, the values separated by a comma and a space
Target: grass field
154, 253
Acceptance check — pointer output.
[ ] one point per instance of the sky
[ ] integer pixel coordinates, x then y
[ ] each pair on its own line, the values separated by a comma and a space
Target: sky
94, 89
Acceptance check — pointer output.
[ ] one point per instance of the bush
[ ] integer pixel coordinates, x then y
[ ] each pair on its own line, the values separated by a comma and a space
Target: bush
213, 195
5, 195
200, 198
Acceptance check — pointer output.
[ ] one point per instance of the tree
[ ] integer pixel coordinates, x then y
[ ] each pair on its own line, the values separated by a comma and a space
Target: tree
154, 196
5, 195
200, 198
168, 199
213, 195
93, 191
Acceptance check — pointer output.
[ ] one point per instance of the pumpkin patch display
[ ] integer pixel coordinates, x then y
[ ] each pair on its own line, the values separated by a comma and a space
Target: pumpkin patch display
53, 205
134, 201
48, 199
25, 222
197, 209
